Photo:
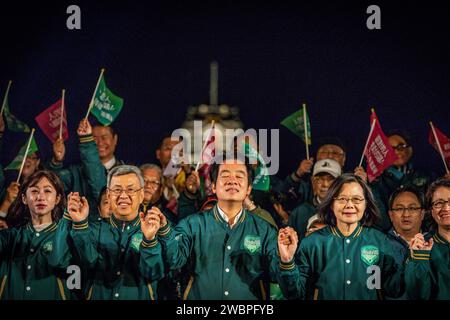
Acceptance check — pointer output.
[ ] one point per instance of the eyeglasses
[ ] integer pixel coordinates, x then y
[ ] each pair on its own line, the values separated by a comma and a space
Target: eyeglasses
129, 192
401, 147
323, 180
439, 204
152, 183
409, 209
345, 200
331, 153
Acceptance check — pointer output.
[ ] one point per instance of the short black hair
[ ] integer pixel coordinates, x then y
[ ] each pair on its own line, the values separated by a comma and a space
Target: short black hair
219, 160
110, 127
168, 136
419, 195
401, 133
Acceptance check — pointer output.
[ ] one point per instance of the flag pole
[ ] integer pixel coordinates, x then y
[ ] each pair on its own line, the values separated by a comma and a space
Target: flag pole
439, 147
93, 95
62, 112
306, 131
204, 145
25, 155
5, 97
367, 142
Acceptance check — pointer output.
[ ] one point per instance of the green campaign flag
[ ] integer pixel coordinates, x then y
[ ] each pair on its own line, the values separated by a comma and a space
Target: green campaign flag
12, 122
262, 178
296, 123
106, 105
17, 162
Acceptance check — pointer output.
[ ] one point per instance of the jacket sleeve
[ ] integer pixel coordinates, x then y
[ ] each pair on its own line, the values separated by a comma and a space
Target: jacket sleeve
176, 243
150, 263
419, 277
293, 276
85, 242
392, 273
187, 204
93, 169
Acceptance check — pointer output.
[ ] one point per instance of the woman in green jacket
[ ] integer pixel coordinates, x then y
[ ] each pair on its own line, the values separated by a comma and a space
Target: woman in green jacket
30, 269
346, 260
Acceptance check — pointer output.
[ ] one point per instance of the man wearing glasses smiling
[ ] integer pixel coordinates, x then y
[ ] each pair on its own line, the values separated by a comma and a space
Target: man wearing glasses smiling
121, 256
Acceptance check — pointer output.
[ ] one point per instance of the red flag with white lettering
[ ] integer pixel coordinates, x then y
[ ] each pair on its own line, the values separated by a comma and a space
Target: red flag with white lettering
444, 142
379, 153
49, 121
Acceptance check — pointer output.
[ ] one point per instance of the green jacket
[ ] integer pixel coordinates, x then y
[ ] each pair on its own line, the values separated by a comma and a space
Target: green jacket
298, 219
121, 263
226, 263
31, 269
427, 275
87, 178
330, 266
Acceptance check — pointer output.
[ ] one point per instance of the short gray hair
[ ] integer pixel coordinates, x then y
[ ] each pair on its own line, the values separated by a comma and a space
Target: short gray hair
152, 166
123, 170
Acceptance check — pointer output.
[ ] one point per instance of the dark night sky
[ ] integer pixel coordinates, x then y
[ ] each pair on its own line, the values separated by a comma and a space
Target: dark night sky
271, 58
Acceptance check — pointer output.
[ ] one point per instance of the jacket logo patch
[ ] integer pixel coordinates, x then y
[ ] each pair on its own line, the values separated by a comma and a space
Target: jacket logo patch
47, 247
370, 255
252, 243
136, 241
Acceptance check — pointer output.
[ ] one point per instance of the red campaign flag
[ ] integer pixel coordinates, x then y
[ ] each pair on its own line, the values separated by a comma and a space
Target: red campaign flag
443, 141
379, 153
49, 121
208, 154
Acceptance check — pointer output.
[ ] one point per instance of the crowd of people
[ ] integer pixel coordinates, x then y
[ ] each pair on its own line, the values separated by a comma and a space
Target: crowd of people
320, 233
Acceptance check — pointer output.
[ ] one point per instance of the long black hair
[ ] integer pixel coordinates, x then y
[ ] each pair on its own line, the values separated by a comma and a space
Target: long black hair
371, 215
19, 213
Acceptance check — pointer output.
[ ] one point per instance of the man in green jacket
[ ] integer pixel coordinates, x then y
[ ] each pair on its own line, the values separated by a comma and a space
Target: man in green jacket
233, 253
87, 178
122, 255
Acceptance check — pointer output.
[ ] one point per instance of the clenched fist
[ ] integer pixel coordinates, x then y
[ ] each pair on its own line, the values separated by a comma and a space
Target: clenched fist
84, 128
287, 244
150, 222
77, 206
419, 243
59, 150
305, 167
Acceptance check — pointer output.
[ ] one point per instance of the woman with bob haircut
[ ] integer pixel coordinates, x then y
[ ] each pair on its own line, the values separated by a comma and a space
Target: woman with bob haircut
30, 266
428, 269
346, 260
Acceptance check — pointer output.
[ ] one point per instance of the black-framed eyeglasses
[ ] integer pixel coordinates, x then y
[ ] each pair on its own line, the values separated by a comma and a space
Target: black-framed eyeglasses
118, 191
409, 209
439, 204
401, 147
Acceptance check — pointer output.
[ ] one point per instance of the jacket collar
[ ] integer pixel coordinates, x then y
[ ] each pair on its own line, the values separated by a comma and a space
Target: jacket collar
117, 223
336, 232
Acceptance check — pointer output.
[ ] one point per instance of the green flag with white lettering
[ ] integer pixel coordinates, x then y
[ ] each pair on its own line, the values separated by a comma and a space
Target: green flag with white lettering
296, 123
262, 178
106, 105
17, 162
12, 122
